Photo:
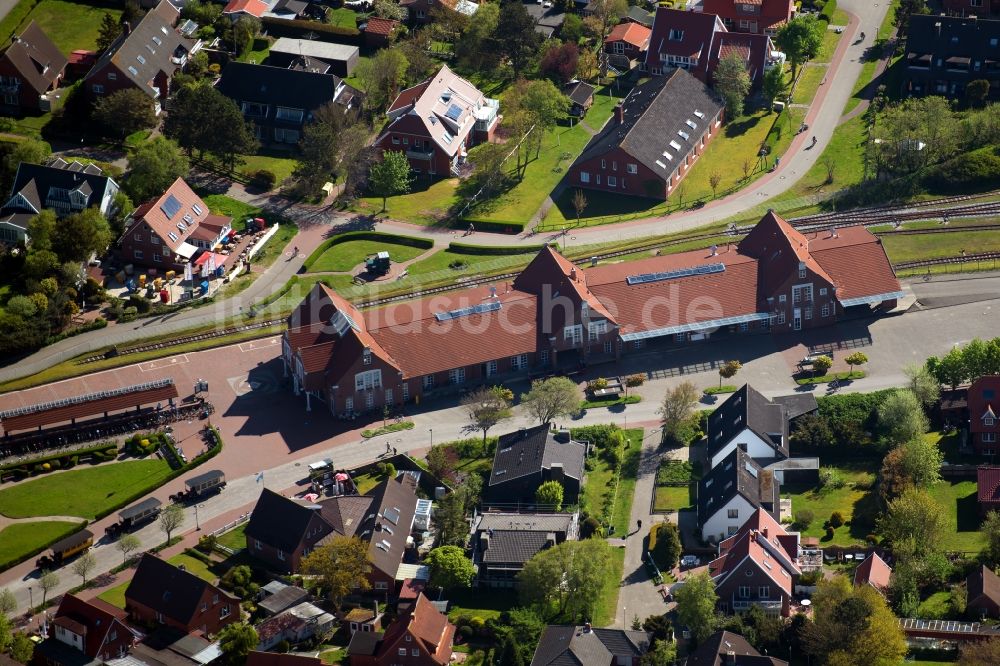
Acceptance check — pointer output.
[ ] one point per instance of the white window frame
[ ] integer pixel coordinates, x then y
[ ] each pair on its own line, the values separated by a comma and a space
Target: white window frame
456, 376
491, 368
584, 176
573, 334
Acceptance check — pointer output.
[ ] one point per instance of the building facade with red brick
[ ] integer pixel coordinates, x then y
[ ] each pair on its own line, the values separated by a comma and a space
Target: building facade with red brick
755, 16
984, 402
30, 67
422, 636
972, 7
83, 628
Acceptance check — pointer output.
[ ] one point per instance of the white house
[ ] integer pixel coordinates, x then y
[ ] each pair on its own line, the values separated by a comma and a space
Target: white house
732, 491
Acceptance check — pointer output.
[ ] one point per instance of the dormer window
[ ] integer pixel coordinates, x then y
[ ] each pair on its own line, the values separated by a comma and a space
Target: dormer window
676, 35
989, 418
802, 270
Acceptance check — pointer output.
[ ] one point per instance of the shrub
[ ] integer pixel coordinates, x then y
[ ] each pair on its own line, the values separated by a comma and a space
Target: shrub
804, 518
836, 519
283, 646
467, 632
264, 180
206, 544
829, 533
129, 314
830, 478
971, 170
589, 528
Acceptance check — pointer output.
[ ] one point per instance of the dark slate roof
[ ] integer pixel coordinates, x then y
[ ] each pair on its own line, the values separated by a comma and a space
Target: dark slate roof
394, 504
654, 112
576, 646
952, 36
297, 89
513, 547
640, 15
167, 589
364, 643
529, 450
797, 404
38, 60
983, 582
278, 521
33, 182
284, 599
737, 473
578, 92
713, 651
748, 408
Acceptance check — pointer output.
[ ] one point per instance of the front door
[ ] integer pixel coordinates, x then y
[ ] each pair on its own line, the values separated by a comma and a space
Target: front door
797, 319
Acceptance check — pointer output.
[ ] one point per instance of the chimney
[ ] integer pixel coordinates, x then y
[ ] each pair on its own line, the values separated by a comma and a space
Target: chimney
126, 27
833, 232
484, 542
586, 628
572, 274
493, 292
620, 112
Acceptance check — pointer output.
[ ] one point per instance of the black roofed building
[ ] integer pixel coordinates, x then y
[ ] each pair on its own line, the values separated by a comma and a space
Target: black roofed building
161, 593
581, 96
503, 542
731, 492
30, 67
658, 131
561, 645
61, 186
281, 101
724, 648
945, 53
342, 58
760, 426
527, 458
282, 531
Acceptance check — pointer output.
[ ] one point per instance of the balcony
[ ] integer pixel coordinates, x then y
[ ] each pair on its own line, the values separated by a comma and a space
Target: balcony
420, 154
767, 605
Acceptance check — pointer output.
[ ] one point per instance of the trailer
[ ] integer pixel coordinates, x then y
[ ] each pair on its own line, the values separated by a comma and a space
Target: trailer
135, 517
203, 485
65, 549
378, 263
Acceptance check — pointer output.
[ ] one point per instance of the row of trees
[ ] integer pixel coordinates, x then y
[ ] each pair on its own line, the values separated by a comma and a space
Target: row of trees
964, 364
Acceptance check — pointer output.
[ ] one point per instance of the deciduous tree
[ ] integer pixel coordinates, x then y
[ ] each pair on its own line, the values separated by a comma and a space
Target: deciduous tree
991, 531
127, 543
389, 10
342, 565
48, 581
667, 550
607, 14
549, 398
236, 640
774, 86
549, 496
856, 358
800, 39
381, 77
696, 600
21, 648
980, 653
728, 370
450, 568
560, 62
81, 234
567, 581
8, 603
171, 518
153, 167
913, 516
822, 365
245, 30
391, 176
901, 418
124, 112
84, 565
486, 407
515, 35
732, 82
677, 407
976, 91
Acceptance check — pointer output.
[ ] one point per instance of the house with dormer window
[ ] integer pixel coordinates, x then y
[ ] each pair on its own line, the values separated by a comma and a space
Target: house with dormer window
753, 16
420, 636
731, 491
30, 67
984, 405
282, 531
162, 593
84, 632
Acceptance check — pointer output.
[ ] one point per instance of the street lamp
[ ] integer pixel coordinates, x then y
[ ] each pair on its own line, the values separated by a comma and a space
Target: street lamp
197, 525
31, 599
432, 437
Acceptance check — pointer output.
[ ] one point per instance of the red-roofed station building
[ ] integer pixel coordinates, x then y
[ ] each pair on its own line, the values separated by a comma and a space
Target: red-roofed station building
556, 313
984, 404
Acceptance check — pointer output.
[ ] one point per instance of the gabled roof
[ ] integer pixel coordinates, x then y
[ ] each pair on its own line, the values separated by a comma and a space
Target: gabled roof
772, 13
873, 571
696, 30
982, 582
252, 7
148, 49
36, 58
169, 590
982, 394
716, 649
736, 474
292, 88
550, 272
426, 625
988, 483
753, 49
561, 645
90, 621
748, 408
279, 521
952, 37
174, 215
578, 92
631, 33
667, 114
530, 450
387, 524
762, 542
314, 49
34, 181
381, 26
445, 106
640, 15
514, 538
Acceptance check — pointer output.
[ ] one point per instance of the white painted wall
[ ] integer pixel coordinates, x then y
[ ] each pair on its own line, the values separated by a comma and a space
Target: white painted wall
756, 447
717, 526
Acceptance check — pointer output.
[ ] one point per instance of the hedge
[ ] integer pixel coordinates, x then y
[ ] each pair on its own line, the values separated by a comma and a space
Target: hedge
35, 551
494, 250
398, 239
25, 467
829, 8
299, 28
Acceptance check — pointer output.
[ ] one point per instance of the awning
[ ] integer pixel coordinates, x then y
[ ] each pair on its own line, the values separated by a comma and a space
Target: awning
413, 572
186, 250
873, 299
697, 326
219, 259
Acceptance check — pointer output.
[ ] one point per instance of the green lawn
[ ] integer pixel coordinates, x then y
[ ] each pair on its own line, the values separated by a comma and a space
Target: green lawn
83, 492
258, 52
958, 501
346, 256
115, 595
343, 17
856, 498
829, 45
846, 149
928, 246
808, 83
335, 656
936, 607
427, 203
607, 606
473, 603
600, 483
280, 165
674, 498
17, 541
70, 25
234, 539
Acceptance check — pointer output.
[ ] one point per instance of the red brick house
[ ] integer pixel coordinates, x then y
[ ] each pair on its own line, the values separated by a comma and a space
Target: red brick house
983, 589
875, 572
437, 121
697, 41
757, 566
90, 628
30, 67
422, 636
167, 232
626, 45
145, 56
658, 131
984, 402
988, 488
282, 531
972, 7
756, 16
555, 313
161, 593
380, 32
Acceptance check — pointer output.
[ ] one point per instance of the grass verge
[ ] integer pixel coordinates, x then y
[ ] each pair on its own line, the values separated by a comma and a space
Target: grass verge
835, 376
21, 540
597, 404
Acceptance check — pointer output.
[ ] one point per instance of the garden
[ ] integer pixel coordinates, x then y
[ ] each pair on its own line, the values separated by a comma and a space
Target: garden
611, 475
676, 485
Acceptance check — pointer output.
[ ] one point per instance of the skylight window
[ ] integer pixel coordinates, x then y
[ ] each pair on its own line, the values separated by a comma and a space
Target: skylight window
699, 114
684, 135
141, 59
690, 123
448, 138
151, 50
661, 164
197, 209
172, 236
454, 111
675, 145
134, 71
163, 29
157, 40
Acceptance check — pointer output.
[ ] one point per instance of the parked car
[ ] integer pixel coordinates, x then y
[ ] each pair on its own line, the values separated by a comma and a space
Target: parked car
690, 561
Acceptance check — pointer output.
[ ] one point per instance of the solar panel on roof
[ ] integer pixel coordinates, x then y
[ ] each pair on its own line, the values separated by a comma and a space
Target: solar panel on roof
171, 206
645, 278
481, 308
454, 111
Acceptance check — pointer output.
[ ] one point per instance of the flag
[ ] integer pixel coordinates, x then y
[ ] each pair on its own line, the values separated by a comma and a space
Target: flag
187, 272
204, 269
211, 263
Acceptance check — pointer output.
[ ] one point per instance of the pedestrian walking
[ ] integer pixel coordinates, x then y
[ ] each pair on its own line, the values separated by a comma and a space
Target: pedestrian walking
387, 448
638, 525
394, 450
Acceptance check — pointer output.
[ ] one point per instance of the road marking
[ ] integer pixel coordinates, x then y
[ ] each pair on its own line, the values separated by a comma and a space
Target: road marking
159, 364
257, 344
